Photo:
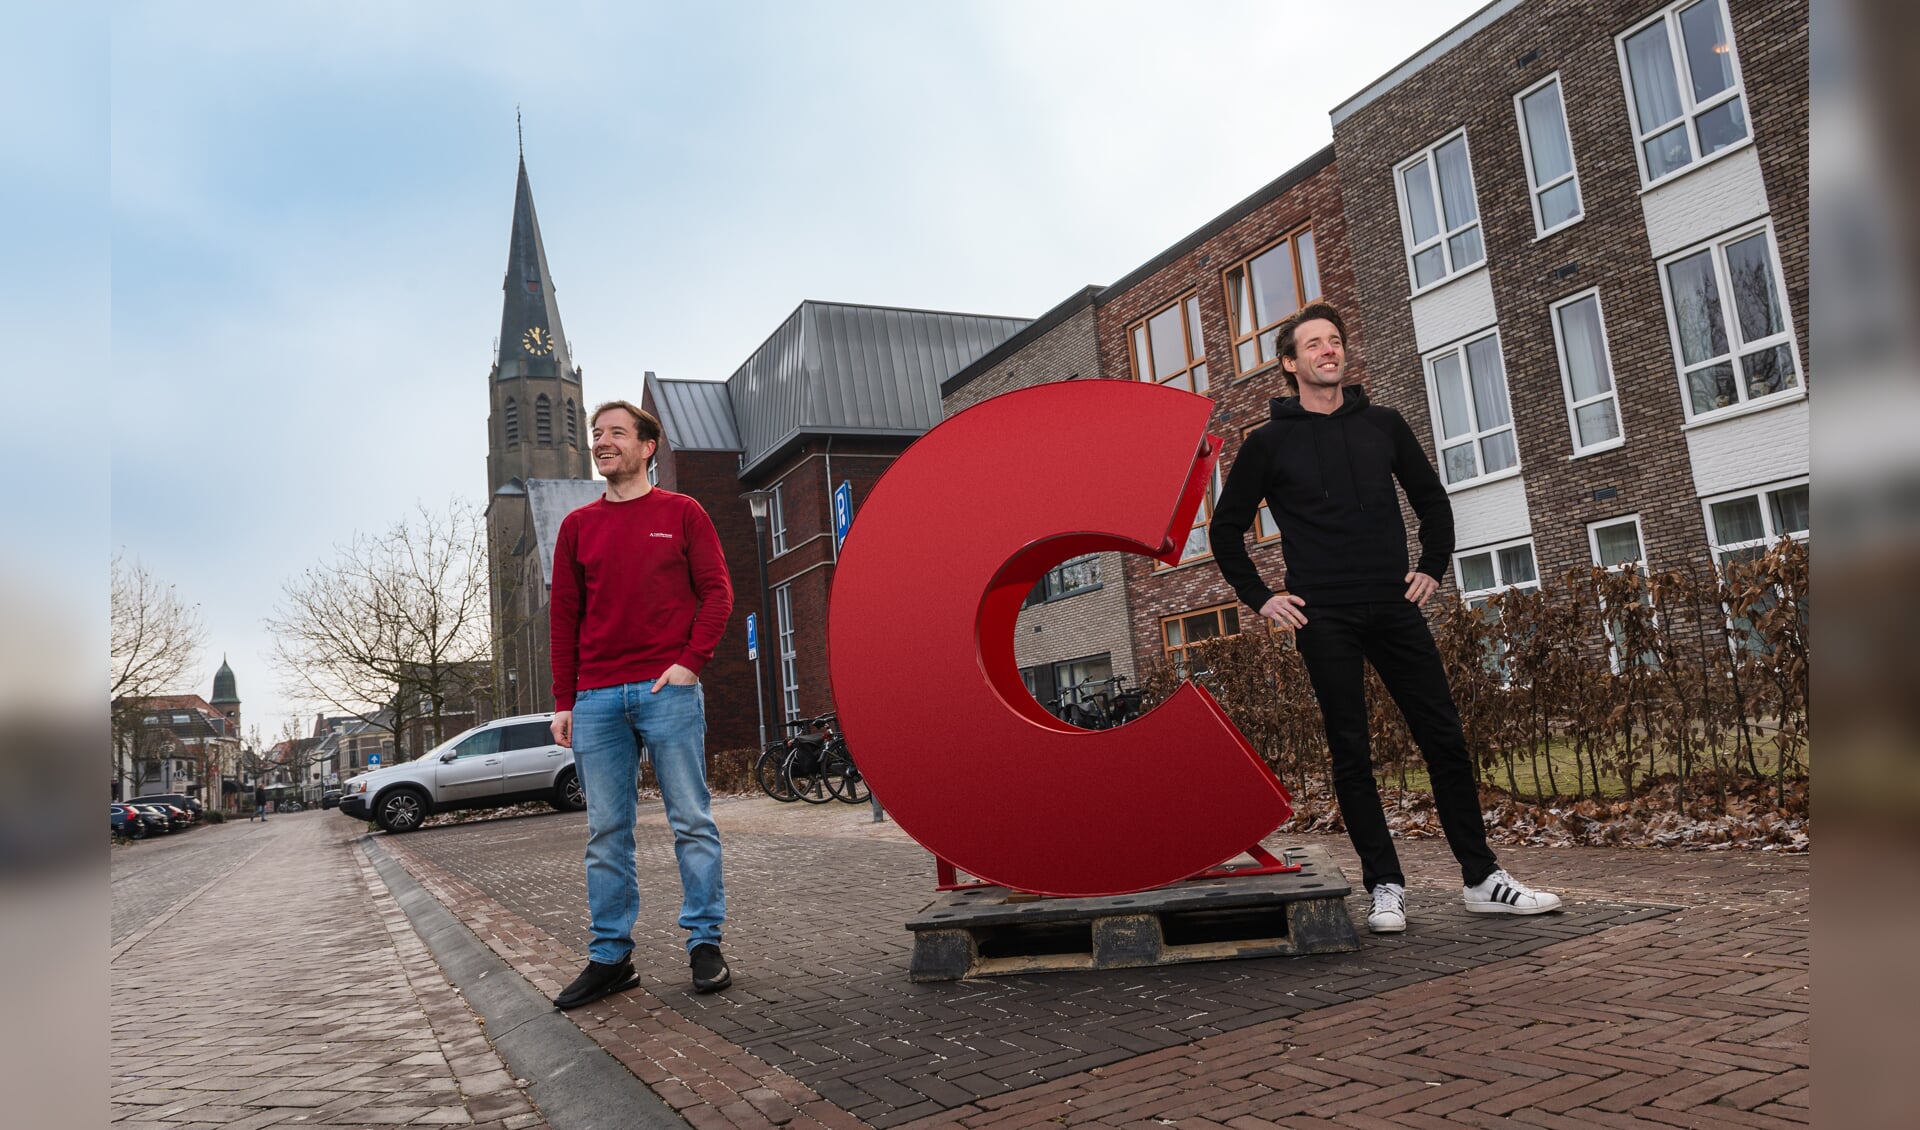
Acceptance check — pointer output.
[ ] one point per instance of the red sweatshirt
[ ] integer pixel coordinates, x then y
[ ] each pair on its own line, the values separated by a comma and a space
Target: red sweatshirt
637, 586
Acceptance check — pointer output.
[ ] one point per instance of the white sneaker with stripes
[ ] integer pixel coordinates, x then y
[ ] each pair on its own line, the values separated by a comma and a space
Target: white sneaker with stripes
1389, 914
1501, 893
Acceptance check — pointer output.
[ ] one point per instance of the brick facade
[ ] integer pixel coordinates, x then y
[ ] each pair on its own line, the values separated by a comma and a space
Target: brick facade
807, 476
1307, 196
1473, 84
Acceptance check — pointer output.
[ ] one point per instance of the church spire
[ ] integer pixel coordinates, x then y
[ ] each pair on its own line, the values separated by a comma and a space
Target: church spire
532, 343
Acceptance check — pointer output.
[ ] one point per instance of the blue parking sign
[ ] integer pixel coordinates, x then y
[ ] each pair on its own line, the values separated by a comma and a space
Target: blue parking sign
842, 512
753, 637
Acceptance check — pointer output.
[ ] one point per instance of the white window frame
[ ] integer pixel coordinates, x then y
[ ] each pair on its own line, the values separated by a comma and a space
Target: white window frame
1534, 187
1593, 547
1730, 318
1202, 521
1441, 441
1501, 584
1566, 376
789, 668
1771, 537
777, 521
1690, 111
1446, 235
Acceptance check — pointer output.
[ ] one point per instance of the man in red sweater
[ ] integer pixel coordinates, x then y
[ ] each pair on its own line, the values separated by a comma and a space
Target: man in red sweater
640, 598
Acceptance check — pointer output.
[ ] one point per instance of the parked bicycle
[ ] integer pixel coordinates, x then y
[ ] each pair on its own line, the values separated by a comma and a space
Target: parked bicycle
1099, 705
786, 769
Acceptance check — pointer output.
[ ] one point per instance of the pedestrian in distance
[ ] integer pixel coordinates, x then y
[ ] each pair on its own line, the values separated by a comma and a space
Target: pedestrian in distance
640, 598
1325, 465
259, 804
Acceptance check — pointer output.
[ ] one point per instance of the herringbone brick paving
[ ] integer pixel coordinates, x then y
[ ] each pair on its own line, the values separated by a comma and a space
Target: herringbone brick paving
291, 991
1674, 988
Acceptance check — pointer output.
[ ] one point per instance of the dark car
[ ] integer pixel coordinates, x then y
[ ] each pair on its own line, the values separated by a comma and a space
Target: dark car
181, 815
330, 799
155, 817
179, 800
126, 822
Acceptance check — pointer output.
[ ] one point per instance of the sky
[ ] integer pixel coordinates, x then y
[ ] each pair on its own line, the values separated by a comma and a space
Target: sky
310, 205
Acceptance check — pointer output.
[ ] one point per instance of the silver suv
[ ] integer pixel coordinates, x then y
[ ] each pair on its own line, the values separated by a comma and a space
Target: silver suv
506, 761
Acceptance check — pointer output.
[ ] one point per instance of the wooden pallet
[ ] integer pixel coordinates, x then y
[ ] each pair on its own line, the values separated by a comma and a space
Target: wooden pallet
989, 932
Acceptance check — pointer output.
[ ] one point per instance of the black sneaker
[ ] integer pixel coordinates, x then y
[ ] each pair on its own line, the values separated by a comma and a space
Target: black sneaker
597, 980
710, 972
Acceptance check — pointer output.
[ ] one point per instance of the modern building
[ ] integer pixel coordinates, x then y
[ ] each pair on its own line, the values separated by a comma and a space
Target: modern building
1579, 235
536, 433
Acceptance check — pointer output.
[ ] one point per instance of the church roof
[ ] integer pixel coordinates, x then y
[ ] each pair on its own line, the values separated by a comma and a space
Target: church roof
532, 343
838, 369
224, 691
696, 415
552, 500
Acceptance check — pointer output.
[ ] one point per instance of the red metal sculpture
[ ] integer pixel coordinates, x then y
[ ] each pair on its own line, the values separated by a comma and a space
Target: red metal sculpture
920, 646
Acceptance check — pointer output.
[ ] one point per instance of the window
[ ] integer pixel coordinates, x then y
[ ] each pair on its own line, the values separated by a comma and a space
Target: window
1197, 545
1744, 526
1069, 578
1263, 291
1472, 421
1616, 544
543, 421
510, 415
1683, 87
1549, 152
1178, 633
1167, 347
1438, 215
789, 672
1586, 374
1483, 572
573, 425
1732, 338
483, 744
182, 719
777, 521
523, 735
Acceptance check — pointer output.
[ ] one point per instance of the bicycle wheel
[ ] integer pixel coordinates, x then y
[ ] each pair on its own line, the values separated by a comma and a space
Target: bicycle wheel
844, 778
771, 773
809, 786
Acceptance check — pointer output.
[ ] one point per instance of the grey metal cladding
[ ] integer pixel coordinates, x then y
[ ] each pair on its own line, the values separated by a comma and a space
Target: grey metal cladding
696, 415
551, 501
834, 368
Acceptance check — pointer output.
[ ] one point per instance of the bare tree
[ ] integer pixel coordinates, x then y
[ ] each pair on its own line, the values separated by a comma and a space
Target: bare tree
390, 630
154, 639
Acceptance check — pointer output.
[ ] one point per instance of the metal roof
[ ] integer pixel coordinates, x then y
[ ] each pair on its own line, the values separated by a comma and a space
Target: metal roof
696, 415
552, 500
839, 369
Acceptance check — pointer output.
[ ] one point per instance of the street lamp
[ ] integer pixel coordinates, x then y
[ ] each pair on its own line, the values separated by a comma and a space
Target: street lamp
761, 503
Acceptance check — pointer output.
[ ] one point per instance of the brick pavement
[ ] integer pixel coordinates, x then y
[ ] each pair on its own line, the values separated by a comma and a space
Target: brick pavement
287, 989
1672, 991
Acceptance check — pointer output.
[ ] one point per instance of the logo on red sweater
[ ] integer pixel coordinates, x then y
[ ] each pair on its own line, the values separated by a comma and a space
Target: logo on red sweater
658, 534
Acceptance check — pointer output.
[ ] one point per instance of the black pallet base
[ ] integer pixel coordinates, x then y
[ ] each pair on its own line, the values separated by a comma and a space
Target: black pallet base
980, 933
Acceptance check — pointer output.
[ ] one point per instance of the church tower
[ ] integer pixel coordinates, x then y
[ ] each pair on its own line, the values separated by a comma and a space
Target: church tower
226, 695
536, 429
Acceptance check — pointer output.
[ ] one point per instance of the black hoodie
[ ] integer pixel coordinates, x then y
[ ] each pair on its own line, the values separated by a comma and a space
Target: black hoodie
1328, 480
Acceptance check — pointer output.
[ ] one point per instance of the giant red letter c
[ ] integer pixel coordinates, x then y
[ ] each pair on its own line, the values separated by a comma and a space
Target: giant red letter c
920, 647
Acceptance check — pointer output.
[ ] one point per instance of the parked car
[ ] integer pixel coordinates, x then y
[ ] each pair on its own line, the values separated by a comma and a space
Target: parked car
181, 816
179, 800
330, 799
156, 818
506, 761
127, 822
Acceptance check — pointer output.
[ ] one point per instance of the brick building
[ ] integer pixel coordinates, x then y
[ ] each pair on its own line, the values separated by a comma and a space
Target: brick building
834, 395
1203, 315
1579, 235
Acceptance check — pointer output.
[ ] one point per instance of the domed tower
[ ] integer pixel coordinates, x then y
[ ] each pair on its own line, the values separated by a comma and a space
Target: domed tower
226, 696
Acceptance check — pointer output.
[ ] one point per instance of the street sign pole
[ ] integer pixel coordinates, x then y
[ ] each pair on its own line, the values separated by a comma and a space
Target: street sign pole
759, 692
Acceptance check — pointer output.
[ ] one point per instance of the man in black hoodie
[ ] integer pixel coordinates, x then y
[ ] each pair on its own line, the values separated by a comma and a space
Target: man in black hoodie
1325, 466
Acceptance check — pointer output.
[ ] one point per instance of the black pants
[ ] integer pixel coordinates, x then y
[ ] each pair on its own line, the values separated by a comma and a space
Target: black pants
1393, 636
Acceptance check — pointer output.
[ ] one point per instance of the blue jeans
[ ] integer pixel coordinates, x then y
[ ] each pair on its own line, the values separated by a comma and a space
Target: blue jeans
609, 723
